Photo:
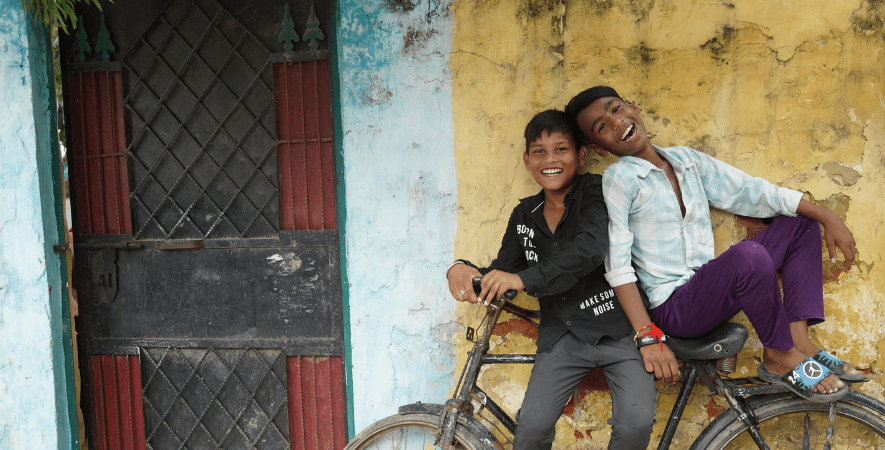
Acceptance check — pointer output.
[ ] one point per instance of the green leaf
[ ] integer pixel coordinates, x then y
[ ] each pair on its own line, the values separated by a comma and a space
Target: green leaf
60, 13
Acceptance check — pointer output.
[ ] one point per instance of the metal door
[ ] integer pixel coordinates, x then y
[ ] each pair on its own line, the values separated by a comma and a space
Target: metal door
206, 246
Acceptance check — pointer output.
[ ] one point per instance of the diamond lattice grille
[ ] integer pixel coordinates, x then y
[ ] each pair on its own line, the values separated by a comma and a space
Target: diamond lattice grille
214, 398
200, 127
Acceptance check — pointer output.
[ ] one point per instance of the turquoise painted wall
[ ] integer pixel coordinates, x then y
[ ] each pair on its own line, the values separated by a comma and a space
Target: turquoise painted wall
400, 198
35, 397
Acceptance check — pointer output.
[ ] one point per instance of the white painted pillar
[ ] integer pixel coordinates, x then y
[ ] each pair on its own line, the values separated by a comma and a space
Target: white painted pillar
35, 391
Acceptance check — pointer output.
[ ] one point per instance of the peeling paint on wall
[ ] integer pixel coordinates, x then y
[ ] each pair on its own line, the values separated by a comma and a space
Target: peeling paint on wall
401, 201
287, 263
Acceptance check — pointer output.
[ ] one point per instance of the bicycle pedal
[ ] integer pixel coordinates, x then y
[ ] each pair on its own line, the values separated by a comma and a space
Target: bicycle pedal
470, 333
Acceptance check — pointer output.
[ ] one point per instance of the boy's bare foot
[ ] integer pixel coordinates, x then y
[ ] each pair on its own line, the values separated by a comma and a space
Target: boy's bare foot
780, 363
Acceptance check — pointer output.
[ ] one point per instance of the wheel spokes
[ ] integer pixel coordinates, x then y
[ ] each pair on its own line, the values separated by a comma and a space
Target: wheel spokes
830, 430
826, 428
806, 437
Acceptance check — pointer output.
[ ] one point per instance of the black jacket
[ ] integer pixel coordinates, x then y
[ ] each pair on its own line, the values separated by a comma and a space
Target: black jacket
565, 271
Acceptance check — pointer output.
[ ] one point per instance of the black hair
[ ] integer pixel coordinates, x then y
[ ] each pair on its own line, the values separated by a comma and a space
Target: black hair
552, 120
583, 101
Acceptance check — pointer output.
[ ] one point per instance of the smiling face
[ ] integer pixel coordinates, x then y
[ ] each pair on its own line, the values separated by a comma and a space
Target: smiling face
554, 161
614, 125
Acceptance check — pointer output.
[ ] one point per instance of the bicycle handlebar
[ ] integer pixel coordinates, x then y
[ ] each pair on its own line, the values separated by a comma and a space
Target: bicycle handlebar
509, 295
506, 304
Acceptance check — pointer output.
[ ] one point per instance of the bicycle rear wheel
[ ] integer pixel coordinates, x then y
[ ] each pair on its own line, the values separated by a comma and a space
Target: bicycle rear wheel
795, 423
410, 432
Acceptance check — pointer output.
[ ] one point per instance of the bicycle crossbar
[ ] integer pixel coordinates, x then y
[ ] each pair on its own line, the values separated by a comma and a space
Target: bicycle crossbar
507, 359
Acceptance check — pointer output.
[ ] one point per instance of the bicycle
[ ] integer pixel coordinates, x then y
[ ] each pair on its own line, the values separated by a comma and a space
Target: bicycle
761, 415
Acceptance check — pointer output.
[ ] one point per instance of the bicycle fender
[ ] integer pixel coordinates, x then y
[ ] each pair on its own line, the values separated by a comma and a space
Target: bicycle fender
865, 401
472, 425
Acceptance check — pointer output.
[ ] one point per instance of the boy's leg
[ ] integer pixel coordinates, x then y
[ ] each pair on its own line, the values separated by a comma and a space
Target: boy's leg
633, 393
745, 278
741, 278
794, 245
555, 376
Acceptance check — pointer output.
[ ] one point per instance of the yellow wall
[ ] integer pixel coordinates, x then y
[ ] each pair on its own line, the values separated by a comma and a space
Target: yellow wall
791, 91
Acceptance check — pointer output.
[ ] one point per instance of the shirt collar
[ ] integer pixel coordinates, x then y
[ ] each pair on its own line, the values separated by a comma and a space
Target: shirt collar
644, 167
535, 201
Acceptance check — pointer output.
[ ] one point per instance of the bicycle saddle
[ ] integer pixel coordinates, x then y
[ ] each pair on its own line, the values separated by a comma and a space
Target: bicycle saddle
723, 341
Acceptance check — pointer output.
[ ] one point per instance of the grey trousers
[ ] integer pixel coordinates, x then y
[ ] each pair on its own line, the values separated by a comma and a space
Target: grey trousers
556, 374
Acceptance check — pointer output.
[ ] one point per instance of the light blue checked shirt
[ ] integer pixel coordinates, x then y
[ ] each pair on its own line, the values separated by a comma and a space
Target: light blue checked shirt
646, 227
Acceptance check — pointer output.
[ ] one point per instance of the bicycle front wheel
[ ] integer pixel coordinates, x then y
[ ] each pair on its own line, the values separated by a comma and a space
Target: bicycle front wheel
795, 423
410, 432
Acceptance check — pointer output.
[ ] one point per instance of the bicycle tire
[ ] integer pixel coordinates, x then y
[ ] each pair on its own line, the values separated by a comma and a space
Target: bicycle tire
410, 432
789, 422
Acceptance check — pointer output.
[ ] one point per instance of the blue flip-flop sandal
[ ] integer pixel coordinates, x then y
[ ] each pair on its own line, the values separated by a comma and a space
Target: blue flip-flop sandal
838, 366
803, 379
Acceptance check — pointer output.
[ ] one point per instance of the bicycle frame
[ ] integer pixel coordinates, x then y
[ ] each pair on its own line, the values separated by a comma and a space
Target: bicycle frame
499, 413
735, 390
707, 372
467, 388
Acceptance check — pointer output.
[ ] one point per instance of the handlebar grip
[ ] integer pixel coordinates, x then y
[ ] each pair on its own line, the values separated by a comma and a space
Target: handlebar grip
509, 295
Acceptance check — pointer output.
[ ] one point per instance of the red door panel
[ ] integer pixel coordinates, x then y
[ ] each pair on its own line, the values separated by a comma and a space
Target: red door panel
304, 145
98, 144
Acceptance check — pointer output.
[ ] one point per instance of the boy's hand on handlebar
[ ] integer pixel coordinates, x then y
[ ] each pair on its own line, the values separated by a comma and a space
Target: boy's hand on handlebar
660, 360
496, 283
460, 278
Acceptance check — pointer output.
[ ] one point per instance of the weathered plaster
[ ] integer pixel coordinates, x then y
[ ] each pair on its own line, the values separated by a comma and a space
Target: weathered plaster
401, 203
34, 397
789, 91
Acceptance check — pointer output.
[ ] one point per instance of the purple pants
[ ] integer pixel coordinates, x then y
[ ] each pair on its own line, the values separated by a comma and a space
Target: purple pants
744, 278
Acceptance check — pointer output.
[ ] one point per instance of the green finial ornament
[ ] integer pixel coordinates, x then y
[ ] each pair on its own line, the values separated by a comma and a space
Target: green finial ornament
313, 32
81, 43
287, 31
104, 44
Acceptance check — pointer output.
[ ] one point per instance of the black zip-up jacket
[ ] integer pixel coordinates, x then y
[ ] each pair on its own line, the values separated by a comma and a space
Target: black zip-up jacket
565, 270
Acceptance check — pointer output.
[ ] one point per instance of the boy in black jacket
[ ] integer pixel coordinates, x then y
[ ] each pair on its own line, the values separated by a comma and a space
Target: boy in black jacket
553, 249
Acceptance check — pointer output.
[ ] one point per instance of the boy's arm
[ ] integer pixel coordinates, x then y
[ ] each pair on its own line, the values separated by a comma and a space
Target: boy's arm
571, 261
732, 190
621, 275
836, 233
657, 358
510, 259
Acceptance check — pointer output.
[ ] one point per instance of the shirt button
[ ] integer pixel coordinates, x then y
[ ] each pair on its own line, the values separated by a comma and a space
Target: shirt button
563, 298
537, 294
568, 323
554, 244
